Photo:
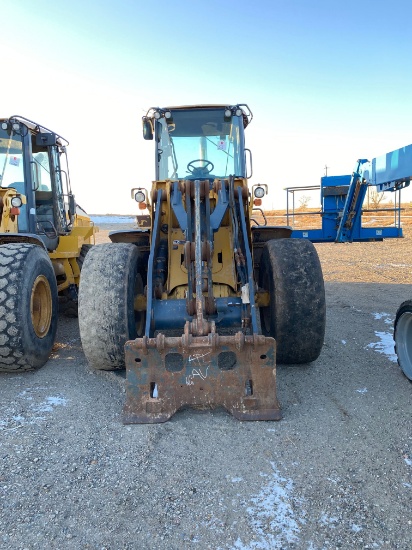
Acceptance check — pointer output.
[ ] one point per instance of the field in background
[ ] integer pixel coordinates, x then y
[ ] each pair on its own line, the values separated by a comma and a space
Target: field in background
303, 218
309, 218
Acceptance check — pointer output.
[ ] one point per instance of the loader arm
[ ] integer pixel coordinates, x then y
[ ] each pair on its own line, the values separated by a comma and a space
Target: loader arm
202, 367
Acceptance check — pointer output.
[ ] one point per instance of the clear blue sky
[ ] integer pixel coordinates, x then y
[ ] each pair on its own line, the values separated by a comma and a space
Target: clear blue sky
328, 82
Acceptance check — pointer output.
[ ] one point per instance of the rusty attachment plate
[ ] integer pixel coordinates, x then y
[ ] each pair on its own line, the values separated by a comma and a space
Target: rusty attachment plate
165, 374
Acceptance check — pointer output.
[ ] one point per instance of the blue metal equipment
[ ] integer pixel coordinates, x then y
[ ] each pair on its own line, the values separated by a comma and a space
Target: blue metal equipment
342, 199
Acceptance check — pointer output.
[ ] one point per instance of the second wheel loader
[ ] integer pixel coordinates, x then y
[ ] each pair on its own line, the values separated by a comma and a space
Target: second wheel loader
199, 305
44, 238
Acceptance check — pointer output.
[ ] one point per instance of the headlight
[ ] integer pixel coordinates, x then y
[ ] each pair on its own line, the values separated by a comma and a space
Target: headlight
228, 113
4, 125
259, 192
16, 202
238, 112
16, 126
157, 115
140, 196
168, 115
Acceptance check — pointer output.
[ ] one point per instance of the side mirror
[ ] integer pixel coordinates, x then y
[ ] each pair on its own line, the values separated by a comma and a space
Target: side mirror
147, 128
45, 139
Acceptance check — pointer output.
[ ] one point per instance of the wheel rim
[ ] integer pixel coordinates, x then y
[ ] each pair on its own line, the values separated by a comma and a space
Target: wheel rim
403, 340
41, 306
139, 316
265, 311
140, 320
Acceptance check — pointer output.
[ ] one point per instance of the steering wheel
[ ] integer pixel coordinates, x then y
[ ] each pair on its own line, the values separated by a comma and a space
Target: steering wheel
200, 170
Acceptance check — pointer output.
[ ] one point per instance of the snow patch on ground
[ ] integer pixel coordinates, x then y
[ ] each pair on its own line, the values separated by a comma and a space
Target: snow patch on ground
385, 316
272, 516
330, 521
385, 344
29, 408
49, 403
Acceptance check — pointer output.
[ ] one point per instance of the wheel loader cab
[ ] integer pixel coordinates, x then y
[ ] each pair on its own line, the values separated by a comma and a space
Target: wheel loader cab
44, 240
194, 143
34, 163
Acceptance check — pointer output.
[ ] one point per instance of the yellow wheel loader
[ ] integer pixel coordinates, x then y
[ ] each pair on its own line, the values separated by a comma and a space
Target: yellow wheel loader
44, 238
198, 305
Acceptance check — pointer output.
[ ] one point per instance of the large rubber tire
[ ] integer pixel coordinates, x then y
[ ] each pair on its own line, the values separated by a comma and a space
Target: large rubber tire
82, 256
111, 276
28, 307
68, 305
296, 317
402, 335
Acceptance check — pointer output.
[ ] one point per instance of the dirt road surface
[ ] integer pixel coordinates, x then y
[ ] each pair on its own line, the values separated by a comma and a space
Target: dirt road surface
336, 472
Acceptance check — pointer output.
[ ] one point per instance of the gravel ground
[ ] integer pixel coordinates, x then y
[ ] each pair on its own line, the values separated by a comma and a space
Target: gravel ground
336, 472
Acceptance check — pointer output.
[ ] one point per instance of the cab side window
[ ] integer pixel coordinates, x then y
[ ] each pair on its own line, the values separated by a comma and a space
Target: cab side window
41, 167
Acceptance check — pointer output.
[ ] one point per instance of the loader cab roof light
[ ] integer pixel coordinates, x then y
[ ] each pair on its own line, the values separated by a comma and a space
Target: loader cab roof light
16, 126
168, 115
4, 125
238, 112
157, 115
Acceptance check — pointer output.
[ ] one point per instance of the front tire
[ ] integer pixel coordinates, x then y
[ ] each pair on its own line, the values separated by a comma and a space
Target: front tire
28, 307
403, 337
111, 278
290, 271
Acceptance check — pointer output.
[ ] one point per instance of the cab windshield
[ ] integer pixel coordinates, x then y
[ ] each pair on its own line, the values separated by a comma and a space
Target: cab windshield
11, 159
199, 143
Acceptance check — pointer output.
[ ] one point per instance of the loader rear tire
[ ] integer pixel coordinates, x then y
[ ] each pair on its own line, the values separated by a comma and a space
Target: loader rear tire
403, 337
82, 256
111, 277
69, 306
28, 307
296, 317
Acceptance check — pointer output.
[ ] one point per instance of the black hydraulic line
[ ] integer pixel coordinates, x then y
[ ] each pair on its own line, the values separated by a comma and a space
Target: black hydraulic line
189, 238
233, 209
198, 261
153, 249
160, 270
209, 238
234, 215
249, 264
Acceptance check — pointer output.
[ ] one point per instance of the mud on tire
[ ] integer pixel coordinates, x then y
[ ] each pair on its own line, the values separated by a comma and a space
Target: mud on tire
111, 276
296, 317
28, 307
